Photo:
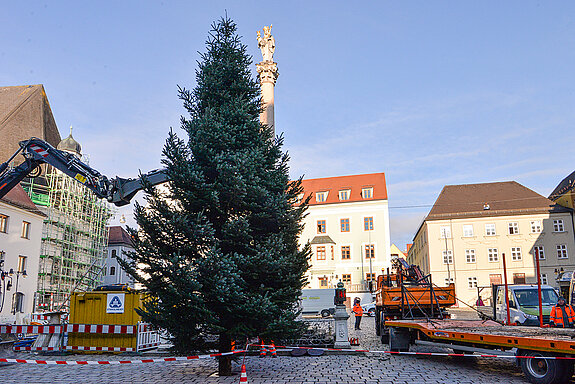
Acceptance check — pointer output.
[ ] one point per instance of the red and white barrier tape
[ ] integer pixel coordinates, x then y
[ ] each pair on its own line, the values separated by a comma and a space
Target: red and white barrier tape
117, 362
428, 353
74, 328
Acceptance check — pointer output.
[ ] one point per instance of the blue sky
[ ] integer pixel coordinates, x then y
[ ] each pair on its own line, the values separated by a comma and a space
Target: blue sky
431, 93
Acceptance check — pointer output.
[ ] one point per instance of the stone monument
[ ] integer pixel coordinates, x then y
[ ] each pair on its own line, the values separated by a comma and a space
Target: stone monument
267, 74
340, 316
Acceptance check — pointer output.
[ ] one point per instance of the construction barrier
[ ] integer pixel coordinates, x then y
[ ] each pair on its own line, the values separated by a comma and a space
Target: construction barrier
145, 337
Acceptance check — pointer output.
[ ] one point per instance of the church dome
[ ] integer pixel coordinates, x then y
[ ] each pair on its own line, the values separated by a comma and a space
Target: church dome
70, 145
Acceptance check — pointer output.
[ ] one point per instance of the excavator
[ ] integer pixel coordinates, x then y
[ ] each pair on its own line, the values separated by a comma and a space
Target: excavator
118, 191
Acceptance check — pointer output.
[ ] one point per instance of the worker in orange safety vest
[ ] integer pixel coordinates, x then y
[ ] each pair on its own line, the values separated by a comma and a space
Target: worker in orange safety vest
358, 310
562, 315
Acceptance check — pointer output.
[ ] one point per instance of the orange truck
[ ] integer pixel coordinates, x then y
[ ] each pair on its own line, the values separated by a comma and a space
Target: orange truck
411, 310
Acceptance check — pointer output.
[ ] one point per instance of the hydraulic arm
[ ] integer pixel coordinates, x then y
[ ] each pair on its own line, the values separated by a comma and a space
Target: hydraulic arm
118, 191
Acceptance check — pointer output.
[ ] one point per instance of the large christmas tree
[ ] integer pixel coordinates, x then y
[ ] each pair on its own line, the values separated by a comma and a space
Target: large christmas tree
218, 248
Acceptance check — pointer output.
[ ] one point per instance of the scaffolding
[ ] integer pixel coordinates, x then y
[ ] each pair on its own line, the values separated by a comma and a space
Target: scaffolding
74, 238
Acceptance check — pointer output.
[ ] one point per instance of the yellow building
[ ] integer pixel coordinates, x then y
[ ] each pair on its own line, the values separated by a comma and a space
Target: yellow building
472, 227
564, 193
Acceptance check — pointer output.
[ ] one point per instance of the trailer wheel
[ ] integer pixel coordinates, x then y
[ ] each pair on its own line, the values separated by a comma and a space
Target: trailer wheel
543, 371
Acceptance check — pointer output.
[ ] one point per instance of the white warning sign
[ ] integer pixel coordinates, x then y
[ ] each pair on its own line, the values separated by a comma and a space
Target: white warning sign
115, 303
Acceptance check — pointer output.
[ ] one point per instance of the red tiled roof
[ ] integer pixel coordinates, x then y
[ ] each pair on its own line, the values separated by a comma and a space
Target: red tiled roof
118, 235
354, 183
19, 198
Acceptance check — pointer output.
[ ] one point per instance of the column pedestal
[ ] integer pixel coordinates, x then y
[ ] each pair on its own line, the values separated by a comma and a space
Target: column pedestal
341, 335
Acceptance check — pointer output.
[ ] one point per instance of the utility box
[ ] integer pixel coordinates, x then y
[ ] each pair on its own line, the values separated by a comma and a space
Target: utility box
93, 313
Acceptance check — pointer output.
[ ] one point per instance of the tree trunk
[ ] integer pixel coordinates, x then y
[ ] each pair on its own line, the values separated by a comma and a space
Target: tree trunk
225, 362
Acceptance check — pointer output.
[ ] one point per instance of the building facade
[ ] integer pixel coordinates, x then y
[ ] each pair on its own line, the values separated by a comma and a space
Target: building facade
348, 228
119, 242
20, 239
471, 228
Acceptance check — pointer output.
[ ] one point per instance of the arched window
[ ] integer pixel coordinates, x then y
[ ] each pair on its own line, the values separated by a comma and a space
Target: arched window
112, 271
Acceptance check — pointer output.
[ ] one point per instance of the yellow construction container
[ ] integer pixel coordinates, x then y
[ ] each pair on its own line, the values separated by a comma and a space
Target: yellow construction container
106, 308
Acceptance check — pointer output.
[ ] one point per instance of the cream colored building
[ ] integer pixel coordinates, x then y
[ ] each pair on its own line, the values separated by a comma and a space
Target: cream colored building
471, 227
20, 239
348, 228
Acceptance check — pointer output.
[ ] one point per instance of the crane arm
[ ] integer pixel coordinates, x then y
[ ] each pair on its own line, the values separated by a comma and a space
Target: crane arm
118, 191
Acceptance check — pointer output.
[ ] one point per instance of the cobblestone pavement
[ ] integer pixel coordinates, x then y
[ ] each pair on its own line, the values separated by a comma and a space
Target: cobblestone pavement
369, 368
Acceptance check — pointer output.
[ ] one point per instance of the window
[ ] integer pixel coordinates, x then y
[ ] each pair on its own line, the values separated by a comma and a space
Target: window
320, 252
345, 252
468, 230
367, 193
518, 278
495, 279
346, 278
370, 277
344, 225
369, 251
448, 281
3, 223
368, 223
22, 263
2, 258
445, 232
322, 282
447, 257
114, 253
558, 226
489, 229
516, 253
541, 250
562, 251
536, 226
344, 195
112, 271
321, 226
472, 282
492, 254
332, 253
470, 255
25, 230
544, 279
321, 197
513, 228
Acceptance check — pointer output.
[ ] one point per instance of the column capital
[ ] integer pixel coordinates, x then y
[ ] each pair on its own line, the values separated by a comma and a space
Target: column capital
267, 72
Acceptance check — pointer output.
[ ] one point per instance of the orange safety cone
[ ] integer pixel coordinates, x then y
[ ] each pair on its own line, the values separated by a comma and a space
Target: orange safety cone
263, 350
244, 375
273, 349
233, 345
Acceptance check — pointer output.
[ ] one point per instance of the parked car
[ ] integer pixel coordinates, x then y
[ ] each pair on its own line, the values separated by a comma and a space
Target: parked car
369, 309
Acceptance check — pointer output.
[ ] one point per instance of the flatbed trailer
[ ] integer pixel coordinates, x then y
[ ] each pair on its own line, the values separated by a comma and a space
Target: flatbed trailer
545, 355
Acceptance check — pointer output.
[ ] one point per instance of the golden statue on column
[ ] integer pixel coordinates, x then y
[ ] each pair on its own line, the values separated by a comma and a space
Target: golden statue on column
267, 74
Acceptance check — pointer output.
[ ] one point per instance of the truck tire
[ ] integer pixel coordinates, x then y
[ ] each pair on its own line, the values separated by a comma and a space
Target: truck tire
325, 313
377, 321
544, 371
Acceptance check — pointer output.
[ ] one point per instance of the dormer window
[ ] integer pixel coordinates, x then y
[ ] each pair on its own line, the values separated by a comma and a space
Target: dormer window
321, 197
344, 194
299, 198
367, 193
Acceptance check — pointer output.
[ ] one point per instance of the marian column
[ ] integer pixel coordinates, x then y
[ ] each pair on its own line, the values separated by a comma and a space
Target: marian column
268, 74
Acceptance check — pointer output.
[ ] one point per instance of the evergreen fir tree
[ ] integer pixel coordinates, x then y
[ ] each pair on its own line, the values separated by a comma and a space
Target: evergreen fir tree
218, 248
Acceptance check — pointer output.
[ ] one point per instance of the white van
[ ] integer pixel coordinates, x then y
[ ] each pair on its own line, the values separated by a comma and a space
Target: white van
318, 302
524, 303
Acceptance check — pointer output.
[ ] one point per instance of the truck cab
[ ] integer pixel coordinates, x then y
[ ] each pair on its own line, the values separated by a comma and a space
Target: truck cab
524, 303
